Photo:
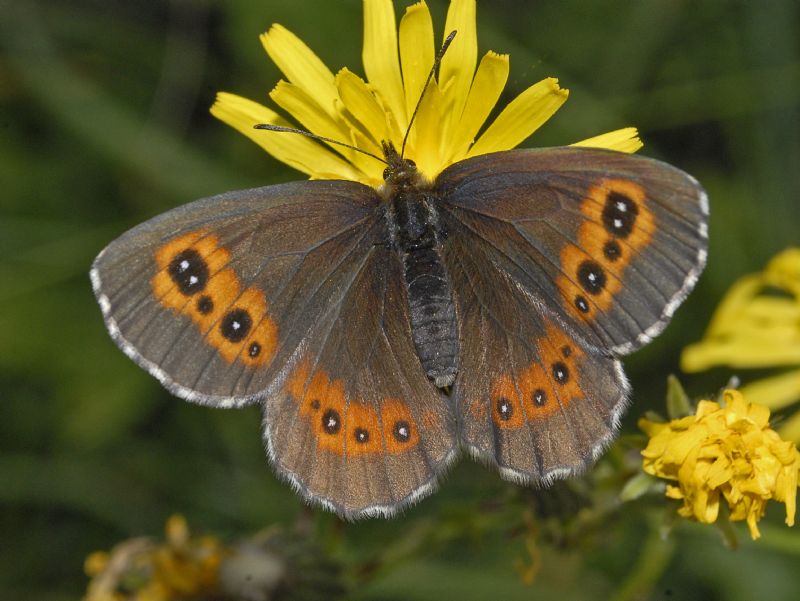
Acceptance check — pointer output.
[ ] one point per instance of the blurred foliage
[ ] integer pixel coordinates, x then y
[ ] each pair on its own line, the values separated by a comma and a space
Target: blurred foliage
104, 119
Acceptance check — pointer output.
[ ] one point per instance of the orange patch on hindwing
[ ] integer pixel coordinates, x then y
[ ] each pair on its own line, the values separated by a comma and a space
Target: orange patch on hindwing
506, 410
349, 426
193, 279
618, 226
543, 387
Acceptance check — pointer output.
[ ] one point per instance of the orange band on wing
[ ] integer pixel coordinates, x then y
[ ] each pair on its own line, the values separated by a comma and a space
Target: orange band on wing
348, 426
541, 389
194, 280
619, 224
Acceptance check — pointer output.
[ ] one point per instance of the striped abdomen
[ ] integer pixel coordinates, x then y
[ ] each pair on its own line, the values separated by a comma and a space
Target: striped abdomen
418, 237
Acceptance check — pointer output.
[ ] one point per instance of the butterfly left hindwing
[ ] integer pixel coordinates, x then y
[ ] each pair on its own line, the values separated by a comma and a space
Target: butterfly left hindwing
358, 425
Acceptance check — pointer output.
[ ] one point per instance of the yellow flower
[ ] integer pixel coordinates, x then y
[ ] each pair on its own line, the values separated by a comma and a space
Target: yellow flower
724, 452
363, 113
757, 325
182, 567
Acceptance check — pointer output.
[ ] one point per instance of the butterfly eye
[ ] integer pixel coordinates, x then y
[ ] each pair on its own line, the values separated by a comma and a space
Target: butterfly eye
386, 173
410, 163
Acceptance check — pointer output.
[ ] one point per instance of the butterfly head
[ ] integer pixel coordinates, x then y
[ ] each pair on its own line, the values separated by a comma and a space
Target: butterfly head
400, 173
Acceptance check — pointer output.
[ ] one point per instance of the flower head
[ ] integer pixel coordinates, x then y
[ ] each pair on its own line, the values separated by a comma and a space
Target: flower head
449, 125
182, 567
188, 567
724, 452
757, 325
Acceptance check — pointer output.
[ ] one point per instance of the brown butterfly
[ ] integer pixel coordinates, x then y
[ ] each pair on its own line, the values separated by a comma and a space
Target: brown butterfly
384, 331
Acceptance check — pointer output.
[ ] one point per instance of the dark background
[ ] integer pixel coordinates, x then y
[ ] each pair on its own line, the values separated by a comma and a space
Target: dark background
104, 123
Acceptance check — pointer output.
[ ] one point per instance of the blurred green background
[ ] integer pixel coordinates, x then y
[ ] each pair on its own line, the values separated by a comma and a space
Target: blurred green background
104, 123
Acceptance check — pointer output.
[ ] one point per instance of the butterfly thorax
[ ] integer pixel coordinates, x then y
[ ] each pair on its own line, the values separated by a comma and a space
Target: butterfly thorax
416, 233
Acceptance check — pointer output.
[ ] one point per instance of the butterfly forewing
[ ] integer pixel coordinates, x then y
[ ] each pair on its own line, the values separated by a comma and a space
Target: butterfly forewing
609, 241
212, 297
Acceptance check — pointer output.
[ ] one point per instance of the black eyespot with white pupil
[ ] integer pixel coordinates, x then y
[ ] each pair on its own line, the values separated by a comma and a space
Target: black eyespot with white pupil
401, 431
560, 372
619, 214
361, 435
236, 325
254, 350
539, 397
591, 277
189, 271
331, 422
504, 409
582, 304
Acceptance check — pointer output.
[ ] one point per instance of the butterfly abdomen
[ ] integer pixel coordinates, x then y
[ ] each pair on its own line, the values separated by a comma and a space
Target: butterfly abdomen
418, 235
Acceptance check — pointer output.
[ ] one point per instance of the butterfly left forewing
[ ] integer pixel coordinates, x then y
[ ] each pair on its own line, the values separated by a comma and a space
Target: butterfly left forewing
357, 426
213, 297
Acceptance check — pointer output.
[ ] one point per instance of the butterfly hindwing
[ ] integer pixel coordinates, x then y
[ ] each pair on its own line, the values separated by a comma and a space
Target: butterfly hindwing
611, 242
357, 425
533, 398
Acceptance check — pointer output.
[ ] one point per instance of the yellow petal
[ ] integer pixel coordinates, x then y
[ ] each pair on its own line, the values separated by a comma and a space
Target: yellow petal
426, 144
177, 530
416, 52
488, 84
381, 63
621, 140
458, 63
362, 106
783, 270
790, 429
752, 524
302, 107
737, 353
295, 150
523, 116
301, 66
733, 304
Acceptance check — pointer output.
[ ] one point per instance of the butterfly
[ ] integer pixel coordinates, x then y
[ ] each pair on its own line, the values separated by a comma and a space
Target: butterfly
385, 331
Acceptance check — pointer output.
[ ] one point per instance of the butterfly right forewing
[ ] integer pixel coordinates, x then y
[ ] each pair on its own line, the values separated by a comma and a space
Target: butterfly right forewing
611, 242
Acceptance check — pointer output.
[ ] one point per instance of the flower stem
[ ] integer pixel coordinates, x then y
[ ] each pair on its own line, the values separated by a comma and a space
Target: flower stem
653, 561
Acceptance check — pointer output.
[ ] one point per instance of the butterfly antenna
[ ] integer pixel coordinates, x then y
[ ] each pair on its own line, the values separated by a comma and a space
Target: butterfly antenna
435, 66
308, 134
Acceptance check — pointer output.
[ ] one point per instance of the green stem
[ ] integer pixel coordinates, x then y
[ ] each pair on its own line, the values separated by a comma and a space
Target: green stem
653, 561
